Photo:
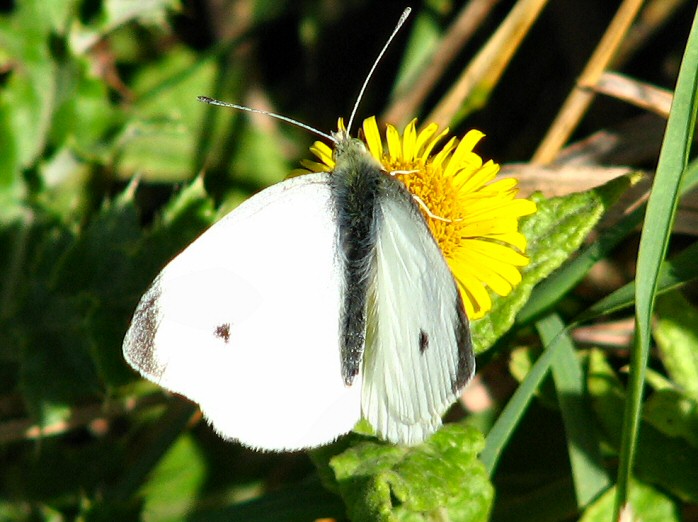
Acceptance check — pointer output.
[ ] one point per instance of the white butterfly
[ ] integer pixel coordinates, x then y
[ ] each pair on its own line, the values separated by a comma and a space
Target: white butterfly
321, 300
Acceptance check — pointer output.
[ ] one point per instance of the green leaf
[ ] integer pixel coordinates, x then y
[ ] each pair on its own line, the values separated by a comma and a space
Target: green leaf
181, 221
83, 114
553, 233
646, 503
158, 142
667, 462
171, 491
382, 482
552, 289
607, 396
676, 333
96, 258
559, 284
79, 291
28, 97
149, 453
509, 418
674, 414
70, 282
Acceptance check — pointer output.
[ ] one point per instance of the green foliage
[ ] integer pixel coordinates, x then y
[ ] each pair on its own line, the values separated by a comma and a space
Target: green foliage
648, 504
441, 477
553, 233
109, 167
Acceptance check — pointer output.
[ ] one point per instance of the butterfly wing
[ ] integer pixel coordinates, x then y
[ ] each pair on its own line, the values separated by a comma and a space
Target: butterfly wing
244, 322
418, 351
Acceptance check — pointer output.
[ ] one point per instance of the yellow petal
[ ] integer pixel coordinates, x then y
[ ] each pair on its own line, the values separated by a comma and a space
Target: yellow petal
424, 136
464, 155
323, 152
314, 166
373, 138
409, 139
474, 294
496, 251
430, 146
443, 154
394, 146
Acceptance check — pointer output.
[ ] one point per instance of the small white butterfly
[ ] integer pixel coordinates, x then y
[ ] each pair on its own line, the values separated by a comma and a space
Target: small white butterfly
319, 301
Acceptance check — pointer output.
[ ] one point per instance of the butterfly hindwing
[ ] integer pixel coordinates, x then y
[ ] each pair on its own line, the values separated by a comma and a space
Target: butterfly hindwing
244, 322
418, 352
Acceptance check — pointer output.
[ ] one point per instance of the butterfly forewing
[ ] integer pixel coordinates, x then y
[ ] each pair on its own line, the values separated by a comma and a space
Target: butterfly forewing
244, 322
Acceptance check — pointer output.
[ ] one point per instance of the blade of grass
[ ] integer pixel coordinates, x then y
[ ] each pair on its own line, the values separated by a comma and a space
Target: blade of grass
673, 274
661, 210
588, 472
507, 421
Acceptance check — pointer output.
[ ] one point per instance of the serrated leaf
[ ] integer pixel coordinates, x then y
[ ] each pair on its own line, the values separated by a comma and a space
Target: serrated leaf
676, 333
553, 233
71, 316
382, 482
56, 370
646, 504
568, 276
96, 259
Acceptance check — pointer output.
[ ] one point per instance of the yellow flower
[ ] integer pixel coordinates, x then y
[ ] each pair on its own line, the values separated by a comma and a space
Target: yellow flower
474, 218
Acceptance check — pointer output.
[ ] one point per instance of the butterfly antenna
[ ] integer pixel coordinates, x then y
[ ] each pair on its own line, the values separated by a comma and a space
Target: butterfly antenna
213, 101
400, 22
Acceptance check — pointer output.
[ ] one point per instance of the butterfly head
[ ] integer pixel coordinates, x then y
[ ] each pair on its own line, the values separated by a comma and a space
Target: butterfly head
348, 150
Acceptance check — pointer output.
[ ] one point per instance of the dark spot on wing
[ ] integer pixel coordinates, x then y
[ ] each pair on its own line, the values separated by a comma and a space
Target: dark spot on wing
423, 341
222, 331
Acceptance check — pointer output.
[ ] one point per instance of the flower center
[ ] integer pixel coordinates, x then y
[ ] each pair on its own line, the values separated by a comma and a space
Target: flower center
438, 194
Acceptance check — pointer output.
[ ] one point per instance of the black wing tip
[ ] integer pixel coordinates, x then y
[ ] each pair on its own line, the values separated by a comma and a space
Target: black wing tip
139, 342
466, 359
